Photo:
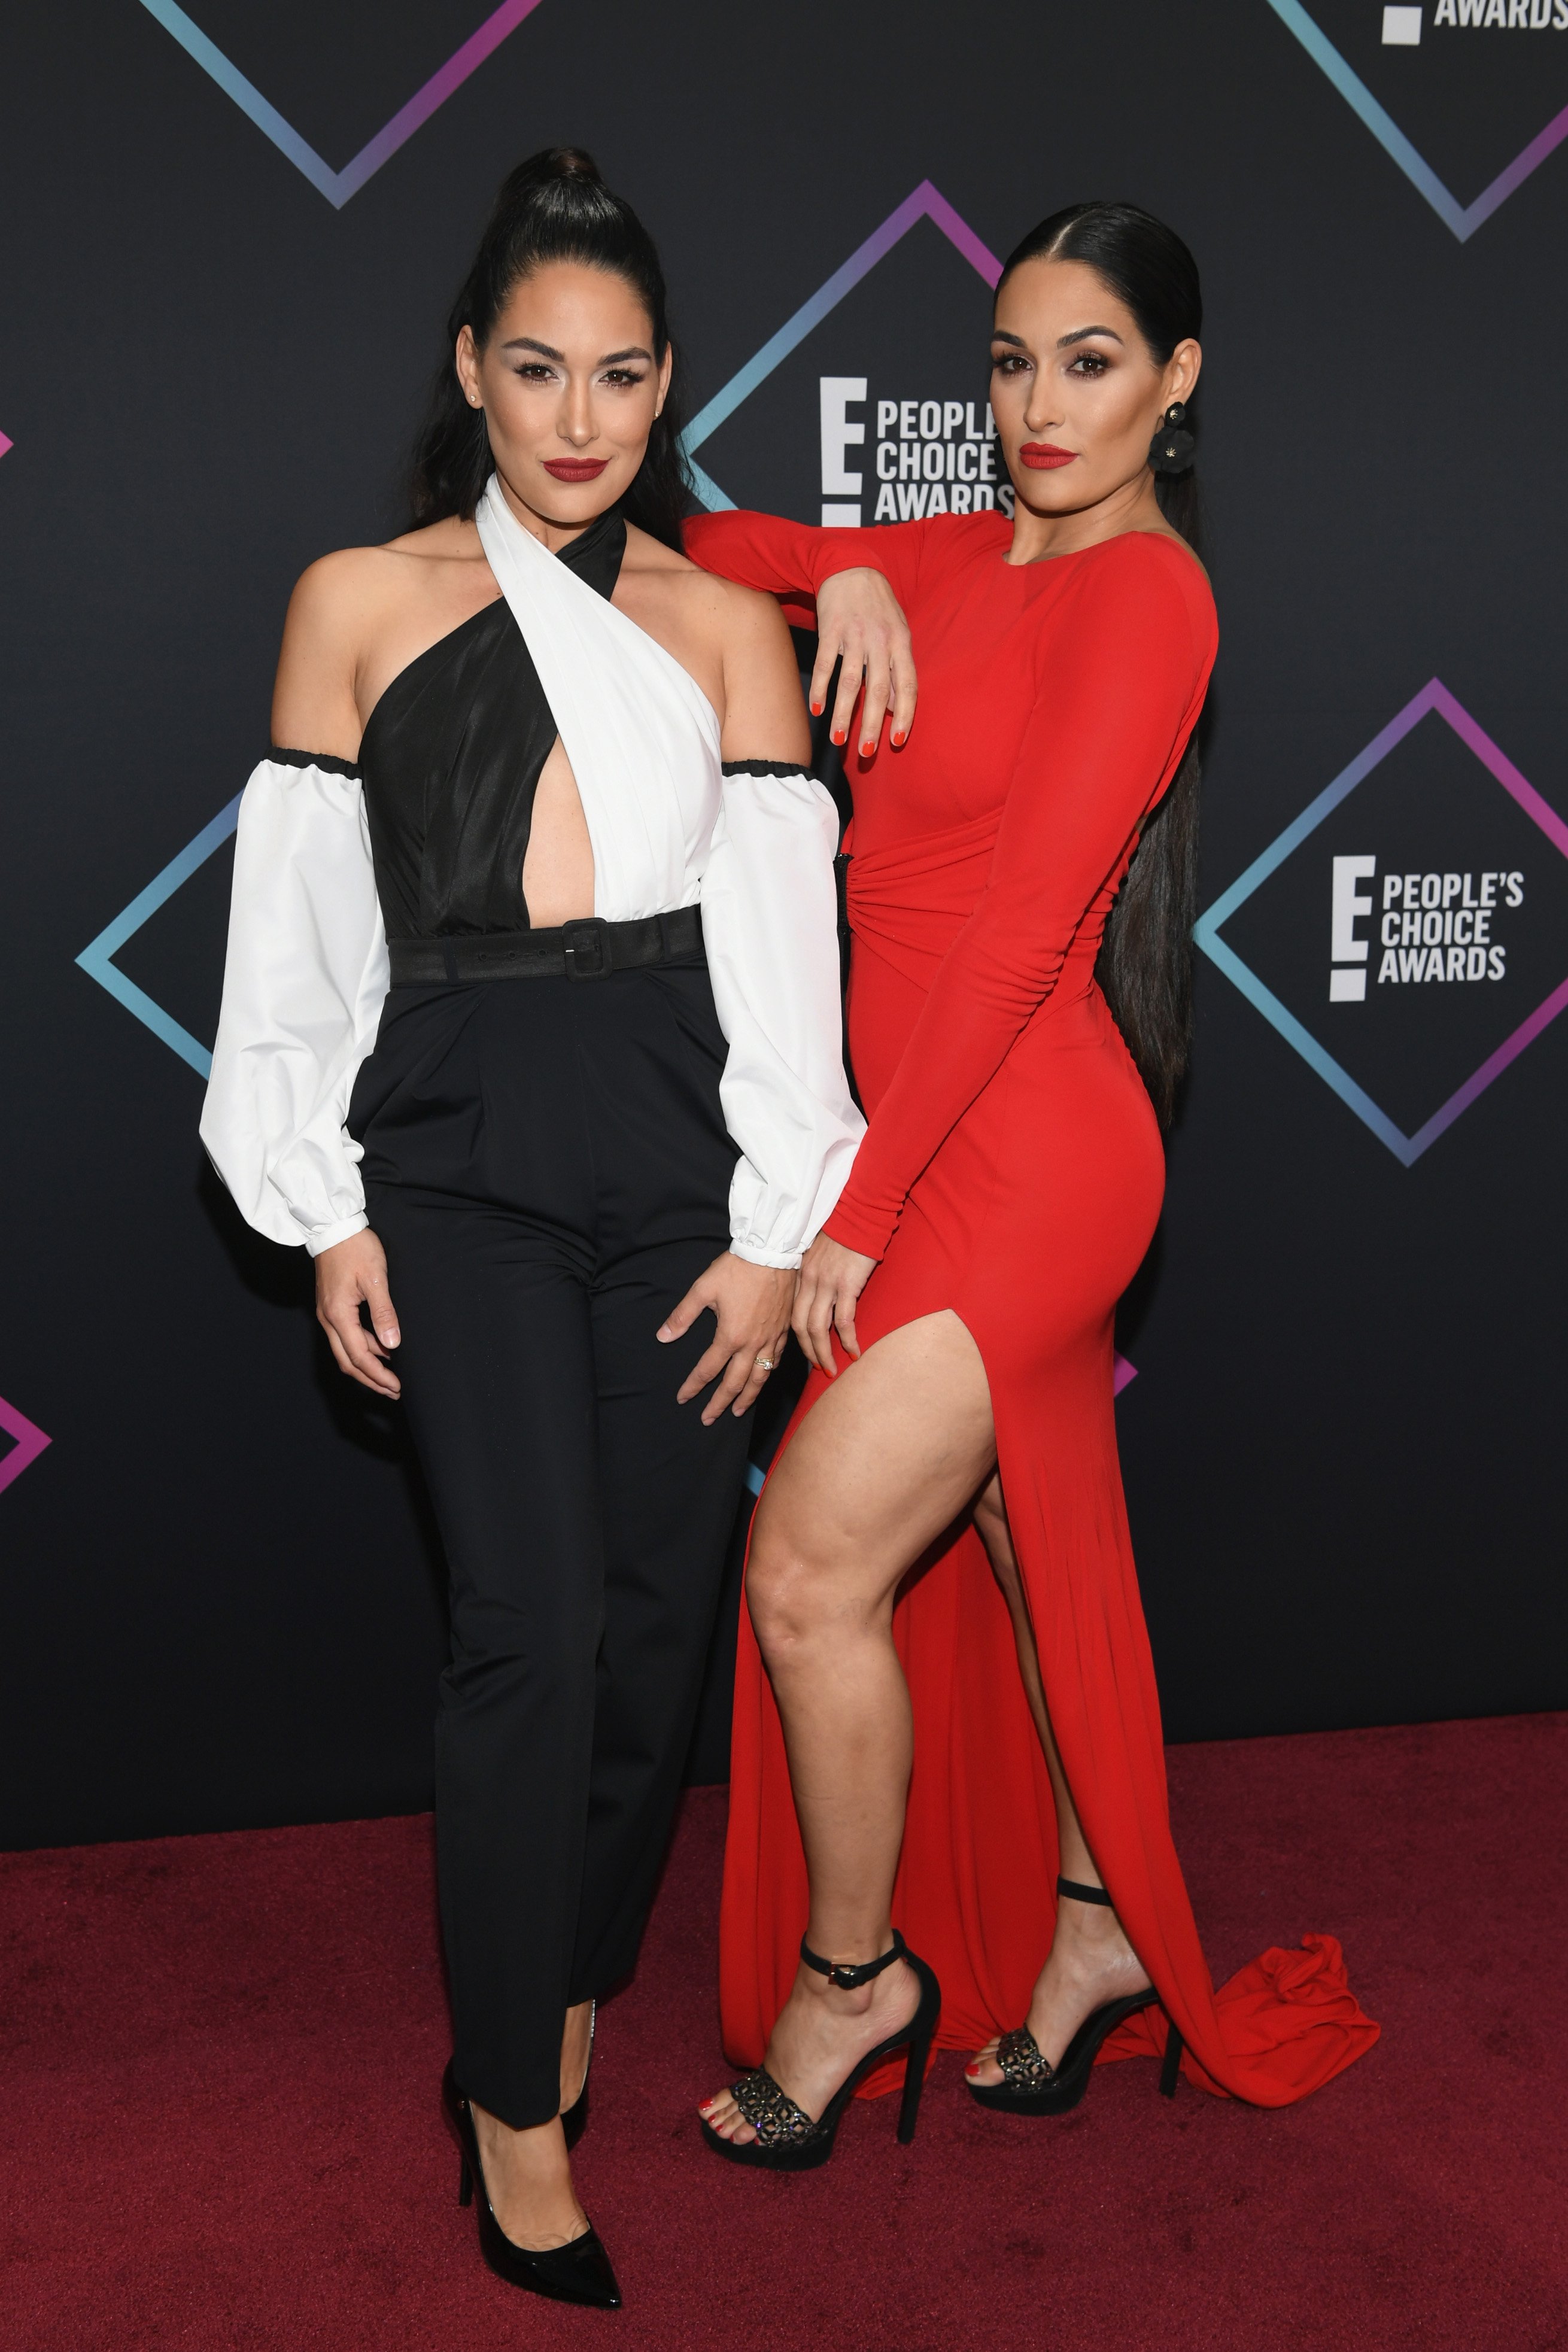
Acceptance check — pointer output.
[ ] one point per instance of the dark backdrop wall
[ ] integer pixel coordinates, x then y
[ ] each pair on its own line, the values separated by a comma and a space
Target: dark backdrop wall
219, 1601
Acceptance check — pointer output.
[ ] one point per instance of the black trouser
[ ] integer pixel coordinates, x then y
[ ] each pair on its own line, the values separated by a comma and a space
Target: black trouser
547, 1166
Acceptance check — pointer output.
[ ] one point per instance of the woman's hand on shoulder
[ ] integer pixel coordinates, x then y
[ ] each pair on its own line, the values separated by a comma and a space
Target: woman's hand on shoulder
859, 618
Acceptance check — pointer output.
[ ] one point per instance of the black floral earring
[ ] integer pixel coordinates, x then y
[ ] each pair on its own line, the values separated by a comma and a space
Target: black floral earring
1173, 449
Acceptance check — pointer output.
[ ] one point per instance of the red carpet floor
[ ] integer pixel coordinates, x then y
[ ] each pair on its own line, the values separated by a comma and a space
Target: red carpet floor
220, 2120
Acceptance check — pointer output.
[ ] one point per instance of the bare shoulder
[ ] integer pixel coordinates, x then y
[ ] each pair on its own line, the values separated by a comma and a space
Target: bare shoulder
356, 583
752, 619
663, 572
357, 616
699, 603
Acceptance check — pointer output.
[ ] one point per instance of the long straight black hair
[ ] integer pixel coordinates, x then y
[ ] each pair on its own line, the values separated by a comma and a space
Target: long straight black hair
1146, 964
555, 208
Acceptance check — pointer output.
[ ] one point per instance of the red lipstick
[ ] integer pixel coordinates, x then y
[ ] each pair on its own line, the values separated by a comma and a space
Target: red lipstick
1043, 456
575, 470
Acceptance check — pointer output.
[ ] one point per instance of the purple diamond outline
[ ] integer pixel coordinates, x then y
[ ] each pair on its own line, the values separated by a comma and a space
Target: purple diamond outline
1407, 1148
30, 1443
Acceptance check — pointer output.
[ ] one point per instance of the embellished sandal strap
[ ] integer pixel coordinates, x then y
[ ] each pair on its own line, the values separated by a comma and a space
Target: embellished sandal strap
846, 1974
771, 2112
1023, 2067
1084, 1894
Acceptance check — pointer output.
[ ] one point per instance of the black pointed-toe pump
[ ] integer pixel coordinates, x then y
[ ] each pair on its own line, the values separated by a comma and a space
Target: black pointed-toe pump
1031, 2085
577, 2272
788, 2141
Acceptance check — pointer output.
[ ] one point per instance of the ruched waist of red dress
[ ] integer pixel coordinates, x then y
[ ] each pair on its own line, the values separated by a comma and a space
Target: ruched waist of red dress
911, 902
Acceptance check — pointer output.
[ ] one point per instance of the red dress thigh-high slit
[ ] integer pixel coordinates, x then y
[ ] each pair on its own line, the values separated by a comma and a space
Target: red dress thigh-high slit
1012, 1171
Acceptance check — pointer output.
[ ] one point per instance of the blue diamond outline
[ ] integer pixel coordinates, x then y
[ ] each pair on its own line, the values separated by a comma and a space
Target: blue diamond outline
95, 958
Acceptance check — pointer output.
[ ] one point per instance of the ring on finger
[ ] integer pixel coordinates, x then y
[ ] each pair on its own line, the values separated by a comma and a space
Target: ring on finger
765, 1364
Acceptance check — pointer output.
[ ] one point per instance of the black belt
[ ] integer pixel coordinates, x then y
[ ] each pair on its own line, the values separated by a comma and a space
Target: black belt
586, 950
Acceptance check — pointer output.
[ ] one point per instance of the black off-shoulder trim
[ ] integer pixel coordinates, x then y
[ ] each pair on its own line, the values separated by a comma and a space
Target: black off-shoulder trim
323, 760
764, 768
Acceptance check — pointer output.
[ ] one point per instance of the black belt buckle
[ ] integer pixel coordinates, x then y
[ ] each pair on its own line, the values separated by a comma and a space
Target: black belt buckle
586, 948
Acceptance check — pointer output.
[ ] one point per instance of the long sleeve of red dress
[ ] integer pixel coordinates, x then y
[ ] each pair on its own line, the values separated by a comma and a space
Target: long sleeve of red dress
791, 560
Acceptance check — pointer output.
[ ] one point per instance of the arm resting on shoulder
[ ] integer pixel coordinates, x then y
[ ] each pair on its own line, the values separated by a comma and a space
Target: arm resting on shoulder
845, 584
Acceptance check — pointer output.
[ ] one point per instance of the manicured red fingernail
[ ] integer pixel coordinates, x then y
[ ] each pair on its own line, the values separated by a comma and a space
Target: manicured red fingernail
899, 737
818, 708
841, 735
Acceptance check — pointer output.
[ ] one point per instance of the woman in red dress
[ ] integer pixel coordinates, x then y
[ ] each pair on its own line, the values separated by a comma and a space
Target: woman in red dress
931, 1725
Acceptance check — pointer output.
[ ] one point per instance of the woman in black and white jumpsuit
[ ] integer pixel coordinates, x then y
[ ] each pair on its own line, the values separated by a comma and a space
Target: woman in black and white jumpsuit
552, 1132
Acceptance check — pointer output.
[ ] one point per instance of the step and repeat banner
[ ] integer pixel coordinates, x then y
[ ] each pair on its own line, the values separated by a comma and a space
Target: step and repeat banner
232, 235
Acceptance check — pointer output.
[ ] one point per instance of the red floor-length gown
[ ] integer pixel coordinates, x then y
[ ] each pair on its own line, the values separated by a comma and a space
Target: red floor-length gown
1013, 1172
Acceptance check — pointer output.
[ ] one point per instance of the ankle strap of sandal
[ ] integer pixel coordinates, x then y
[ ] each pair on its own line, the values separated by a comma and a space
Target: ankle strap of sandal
846, 1974
1084, 1894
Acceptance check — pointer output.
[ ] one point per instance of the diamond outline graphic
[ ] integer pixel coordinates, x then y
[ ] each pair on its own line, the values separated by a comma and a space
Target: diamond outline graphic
95, 958
30, 1443
339, 187
1463, 219
925, 203
1406, 1149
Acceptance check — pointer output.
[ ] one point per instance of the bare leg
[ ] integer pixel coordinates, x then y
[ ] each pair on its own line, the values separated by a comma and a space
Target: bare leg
1090, 1958
885, 1462
528, 2175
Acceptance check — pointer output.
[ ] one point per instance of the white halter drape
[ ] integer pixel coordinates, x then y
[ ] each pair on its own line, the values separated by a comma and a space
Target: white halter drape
642, 737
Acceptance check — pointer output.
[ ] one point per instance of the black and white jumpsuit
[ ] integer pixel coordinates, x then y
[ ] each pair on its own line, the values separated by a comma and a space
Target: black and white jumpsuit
552, 1133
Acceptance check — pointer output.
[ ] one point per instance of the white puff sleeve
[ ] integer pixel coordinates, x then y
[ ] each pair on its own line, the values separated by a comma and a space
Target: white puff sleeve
305, 981
769, 927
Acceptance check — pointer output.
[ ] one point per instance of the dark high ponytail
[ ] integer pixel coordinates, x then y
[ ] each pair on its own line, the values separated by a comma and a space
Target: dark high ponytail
555, 208
1146, 964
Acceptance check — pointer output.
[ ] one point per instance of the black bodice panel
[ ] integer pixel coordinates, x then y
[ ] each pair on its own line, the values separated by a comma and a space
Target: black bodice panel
451, 759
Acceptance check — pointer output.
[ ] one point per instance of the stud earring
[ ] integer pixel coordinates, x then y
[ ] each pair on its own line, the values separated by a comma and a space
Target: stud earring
1173, 449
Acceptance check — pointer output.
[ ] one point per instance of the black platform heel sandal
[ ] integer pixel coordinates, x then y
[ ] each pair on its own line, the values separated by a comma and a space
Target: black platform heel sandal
574, 2118
787, 2139
577, 2272
1031, 2085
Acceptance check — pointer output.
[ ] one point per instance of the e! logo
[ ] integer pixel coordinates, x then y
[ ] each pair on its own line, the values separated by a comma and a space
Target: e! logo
1350, 987
835, 395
